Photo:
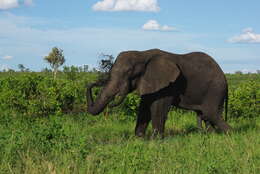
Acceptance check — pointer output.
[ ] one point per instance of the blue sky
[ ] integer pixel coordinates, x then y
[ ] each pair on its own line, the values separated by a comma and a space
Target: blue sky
229, 31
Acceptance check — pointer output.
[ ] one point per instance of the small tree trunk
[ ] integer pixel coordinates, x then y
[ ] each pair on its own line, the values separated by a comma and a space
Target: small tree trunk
55, 73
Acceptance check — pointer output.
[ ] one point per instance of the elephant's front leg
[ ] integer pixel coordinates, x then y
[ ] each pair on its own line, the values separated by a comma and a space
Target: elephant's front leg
144, 117
159, 112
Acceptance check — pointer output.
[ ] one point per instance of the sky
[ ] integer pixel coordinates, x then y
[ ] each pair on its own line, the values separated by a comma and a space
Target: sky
229, 31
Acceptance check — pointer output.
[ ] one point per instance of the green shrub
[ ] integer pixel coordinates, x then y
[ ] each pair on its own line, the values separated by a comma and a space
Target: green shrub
35, 94
71, 72
38, 94
130, 105
244, 101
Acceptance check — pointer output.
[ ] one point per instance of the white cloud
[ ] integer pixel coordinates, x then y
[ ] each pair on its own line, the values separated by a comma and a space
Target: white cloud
126, 5
28, 2
248, 30
7, 57
154, 25
248, 36
7, 4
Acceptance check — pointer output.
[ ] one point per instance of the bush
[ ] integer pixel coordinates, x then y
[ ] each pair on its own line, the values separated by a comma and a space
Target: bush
71, 72
244, 101
39, 94
35, 94
130, 105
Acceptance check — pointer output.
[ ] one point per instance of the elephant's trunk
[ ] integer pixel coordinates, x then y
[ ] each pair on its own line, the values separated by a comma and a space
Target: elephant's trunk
122, 97
106, 95
90, 102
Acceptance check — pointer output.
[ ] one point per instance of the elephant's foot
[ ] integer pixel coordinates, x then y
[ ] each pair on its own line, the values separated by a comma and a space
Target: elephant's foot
221, 125
140, 134
140, 131
208, 126
210, 129
157, 134
225, 128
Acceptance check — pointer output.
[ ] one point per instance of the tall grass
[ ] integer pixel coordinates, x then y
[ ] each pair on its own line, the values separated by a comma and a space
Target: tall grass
87, 144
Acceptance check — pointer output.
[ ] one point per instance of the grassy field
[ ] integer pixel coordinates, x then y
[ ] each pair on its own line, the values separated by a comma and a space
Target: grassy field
87, 144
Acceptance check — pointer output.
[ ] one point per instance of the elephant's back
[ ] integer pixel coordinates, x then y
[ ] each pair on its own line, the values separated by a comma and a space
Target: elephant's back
199, 64
201, 73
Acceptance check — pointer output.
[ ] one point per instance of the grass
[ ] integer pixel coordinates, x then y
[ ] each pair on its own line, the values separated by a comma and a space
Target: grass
87, 144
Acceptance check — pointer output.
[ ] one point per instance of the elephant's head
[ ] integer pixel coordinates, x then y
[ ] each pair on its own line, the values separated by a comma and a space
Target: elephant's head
144, 71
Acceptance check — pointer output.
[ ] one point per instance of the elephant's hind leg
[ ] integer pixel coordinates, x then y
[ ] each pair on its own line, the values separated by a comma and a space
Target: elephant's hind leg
216, 120
143, 118
222, 125
208, 126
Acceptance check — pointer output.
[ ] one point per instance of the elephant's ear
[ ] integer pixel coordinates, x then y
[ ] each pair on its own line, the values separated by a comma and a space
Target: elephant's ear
159, 73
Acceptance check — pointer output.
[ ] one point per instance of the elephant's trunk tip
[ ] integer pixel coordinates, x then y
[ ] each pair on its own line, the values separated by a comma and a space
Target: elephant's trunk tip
93, 111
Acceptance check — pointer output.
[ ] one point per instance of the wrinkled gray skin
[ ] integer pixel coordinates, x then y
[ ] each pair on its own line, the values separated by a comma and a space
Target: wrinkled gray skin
191, 81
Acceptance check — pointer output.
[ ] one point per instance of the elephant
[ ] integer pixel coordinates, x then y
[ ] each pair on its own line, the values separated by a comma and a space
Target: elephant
192, 81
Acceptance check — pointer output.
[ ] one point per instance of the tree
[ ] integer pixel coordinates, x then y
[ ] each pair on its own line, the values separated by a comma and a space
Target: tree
85, 67
55, 59
239, 72
80, 69
106, 62
11, 70
21, 67
258, 71
105, 65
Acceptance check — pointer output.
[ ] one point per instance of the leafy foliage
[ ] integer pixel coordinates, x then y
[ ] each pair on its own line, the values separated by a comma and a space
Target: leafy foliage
55, 59
71, 72
130, 105
35, 95
106, 63
21, 67
245, 100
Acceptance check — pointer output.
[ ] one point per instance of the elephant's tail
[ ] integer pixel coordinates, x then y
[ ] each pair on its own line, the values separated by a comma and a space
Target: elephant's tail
226, 105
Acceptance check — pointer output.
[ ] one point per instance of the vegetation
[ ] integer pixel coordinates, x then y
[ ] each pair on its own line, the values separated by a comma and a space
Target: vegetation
44, 129
55, 59
21, 67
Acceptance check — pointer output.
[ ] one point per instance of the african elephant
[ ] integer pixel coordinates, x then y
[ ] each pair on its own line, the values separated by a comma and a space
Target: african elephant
192, 81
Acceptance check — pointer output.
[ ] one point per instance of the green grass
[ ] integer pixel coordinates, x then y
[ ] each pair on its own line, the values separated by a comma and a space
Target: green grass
87, 144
